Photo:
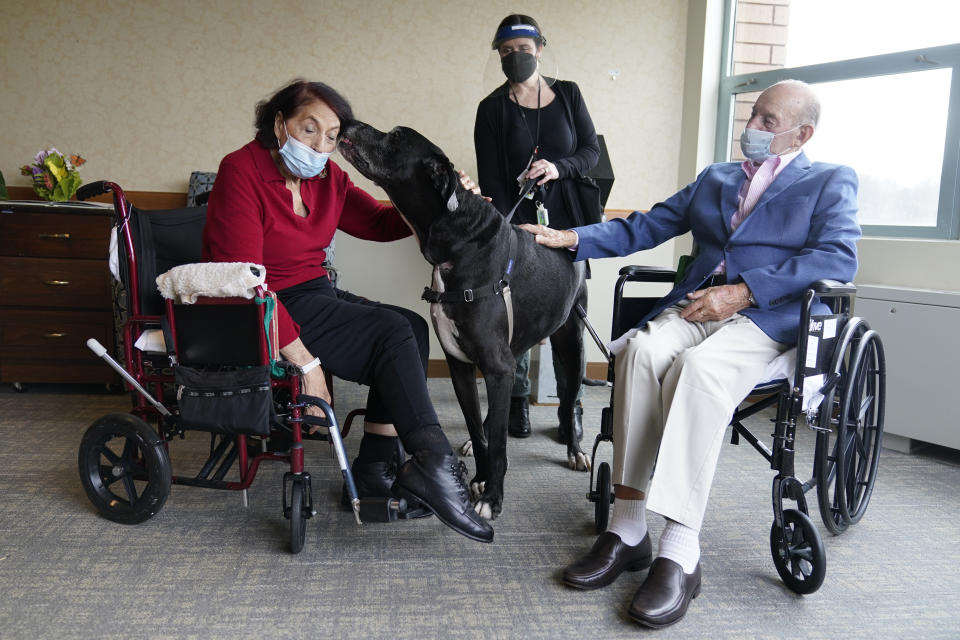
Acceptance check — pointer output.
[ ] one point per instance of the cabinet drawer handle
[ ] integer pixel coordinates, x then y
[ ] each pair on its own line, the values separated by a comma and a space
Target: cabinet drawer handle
55, 334
56, 283
58, 236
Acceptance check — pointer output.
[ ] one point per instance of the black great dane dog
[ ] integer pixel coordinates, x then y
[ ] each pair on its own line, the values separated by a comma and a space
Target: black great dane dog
495, 291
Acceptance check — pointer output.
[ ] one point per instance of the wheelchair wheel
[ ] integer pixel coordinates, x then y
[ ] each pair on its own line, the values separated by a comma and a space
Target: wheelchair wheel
298, 521
848, 456
601, 514
124, 468
798, 552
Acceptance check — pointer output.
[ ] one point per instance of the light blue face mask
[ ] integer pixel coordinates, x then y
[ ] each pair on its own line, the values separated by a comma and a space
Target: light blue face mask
301, 160
755, 144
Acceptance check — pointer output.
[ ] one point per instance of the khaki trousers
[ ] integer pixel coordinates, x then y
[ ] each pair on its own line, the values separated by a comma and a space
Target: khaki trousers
677, 385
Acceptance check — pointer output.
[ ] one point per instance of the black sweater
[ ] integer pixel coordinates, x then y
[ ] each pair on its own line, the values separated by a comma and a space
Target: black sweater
504, 141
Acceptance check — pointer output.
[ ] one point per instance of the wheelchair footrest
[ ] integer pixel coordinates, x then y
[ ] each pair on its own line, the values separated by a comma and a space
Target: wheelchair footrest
382, 509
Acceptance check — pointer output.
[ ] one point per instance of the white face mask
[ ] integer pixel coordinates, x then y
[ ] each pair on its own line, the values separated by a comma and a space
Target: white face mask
301, 160
755, 144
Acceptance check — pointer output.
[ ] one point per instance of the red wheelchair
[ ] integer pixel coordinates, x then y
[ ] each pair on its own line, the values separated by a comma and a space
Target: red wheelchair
216, 370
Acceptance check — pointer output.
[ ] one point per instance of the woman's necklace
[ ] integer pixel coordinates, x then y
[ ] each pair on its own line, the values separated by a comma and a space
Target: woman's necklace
534, 140
525, 190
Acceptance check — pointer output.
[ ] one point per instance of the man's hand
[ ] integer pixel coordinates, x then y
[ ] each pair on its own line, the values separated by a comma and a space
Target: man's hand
716, 303
553, 238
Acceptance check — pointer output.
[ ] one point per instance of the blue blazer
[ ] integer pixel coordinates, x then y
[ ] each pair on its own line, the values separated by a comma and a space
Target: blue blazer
804, 228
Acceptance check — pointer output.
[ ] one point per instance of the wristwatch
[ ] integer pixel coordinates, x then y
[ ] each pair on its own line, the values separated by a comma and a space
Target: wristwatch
750, 298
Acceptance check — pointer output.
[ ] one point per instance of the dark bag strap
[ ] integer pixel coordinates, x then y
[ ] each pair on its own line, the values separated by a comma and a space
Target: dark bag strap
580, 181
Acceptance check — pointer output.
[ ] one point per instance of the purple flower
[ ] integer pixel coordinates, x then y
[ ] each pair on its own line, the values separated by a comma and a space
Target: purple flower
43, 155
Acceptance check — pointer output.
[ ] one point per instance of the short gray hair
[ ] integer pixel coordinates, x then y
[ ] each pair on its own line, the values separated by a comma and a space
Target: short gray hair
809, 112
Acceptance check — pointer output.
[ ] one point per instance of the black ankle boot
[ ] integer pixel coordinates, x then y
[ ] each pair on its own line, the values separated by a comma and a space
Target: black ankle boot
374, 479
436, 480
518, 425
577, 425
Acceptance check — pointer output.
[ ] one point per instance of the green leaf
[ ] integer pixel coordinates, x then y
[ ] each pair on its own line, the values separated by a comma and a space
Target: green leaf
3, 188
56, 166
68, 186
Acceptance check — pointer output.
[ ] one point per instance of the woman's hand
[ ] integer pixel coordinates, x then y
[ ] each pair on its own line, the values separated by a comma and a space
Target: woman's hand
470, 185
312, 383
543, 169
554, 238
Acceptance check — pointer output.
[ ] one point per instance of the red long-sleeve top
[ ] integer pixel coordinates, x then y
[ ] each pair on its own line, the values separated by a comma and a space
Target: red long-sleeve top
250, 218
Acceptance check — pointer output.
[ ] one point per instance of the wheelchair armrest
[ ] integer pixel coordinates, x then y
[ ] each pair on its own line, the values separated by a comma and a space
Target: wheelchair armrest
833, 288
639, 273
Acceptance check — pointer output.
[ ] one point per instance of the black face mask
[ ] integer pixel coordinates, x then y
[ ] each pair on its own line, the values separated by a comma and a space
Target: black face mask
518, 66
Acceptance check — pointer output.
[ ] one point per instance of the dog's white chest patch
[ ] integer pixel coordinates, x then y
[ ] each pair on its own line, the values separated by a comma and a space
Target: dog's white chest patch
445, 327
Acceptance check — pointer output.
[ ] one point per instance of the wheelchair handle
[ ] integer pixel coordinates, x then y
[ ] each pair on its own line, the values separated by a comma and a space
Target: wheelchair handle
93, 189
101, 352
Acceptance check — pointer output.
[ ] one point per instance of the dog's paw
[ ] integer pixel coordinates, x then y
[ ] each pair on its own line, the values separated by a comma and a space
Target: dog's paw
466, 449
484, 510
578, 461
476, 490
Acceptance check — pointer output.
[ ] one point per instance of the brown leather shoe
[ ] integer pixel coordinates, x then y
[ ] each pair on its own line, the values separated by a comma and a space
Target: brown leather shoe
664, 596
607, 559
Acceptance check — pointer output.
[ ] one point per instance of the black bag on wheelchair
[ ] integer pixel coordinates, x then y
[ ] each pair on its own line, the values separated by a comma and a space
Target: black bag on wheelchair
236, 401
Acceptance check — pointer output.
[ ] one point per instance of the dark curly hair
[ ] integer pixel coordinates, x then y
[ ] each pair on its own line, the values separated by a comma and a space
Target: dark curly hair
289, 99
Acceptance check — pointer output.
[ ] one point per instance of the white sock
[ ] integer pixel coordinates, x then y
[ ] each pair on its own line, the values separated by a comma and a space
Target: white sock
629, 520
681, 544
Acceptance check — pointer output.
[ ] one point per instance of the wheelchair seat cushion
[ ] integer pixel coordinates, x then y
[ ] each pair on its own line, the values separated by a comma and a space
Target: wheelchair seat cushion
187, 282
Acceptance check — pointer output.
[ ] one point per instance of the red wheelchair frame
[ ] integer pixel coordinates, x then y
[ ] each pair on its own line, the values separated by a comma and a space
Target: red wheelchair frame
124, 462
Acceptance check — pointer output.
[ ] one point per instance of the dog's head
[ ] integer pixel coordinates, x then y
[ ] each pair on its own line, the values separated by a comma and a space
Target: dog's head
419, 179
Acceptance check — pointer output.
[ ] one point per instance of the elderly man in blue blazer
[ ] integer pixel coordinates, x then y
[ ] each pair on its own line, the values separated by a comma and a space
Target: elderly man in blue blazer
764, 230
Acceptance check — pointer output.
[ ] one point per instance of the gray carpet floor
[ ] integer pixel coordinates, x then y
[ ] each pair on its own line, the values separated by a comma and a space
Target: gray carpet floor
205, 567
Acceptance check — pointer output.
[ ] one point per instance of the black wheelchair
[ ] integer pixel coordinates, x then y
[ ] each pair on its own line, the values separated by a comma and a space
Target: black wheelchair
217, 371
841, 371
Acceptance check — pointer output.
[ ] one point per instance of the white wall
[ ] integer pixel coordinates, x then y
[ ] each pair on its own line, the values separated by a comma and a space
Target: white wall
149, 91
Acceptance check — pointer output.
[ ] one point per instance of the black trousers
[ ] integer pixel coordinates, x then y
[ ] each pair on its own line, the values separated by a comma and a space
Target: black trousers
379, 345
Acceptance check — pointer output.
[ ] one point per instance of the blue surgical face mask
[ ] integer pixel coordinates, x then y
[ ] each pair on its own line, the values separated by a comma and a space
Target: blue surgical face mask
755, 144
301, 160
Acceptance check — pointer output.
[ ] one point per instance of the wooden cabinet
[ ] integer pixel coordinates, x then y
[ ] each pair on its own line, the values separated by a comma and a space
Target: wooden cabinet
55, 292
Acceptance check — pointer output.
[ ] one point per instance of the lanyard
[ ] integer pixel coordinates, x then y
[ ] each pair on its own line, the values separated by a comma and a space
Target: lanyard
534, 141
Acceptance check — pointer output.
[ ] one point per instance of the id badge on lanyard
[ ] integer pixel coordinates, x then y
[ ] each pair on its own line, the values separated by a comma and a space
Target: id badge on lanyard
522, 178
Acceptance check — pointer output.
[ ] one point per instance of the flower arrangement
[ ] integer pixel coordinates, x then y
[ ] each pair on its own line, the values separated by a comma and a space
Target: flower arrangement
54, 176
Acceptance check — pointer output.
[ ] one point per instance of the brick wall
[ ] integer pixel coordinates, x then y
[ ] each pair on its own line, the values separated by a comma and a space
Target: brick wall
760, 42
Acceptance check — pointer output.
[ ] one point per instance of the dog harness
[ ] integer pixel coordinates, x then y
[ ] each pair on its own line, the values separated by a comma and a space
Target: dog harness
499, 288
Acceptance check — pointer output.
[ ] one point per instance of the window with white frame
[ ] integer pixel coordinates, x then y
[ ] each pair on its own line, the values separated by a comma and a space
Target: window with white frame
884, 71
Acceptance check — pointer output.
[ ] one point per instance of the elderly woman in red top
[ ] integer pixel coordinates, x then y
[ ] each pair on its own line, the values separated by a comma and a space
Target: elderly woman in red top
277, 201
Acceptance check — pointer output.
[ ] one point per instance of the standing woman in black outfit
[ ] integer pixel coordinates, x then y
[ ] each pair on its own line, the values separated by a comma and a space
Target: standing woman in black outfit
533, 128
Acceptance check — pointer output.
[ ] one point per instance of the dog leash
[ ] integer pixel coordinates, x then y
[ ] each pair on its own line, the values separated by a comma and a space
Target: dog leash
527, 188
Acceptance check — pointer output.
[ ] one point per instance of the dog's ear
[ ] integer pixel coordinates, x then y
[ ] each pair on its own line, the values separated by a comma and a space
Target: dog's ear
444, 178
